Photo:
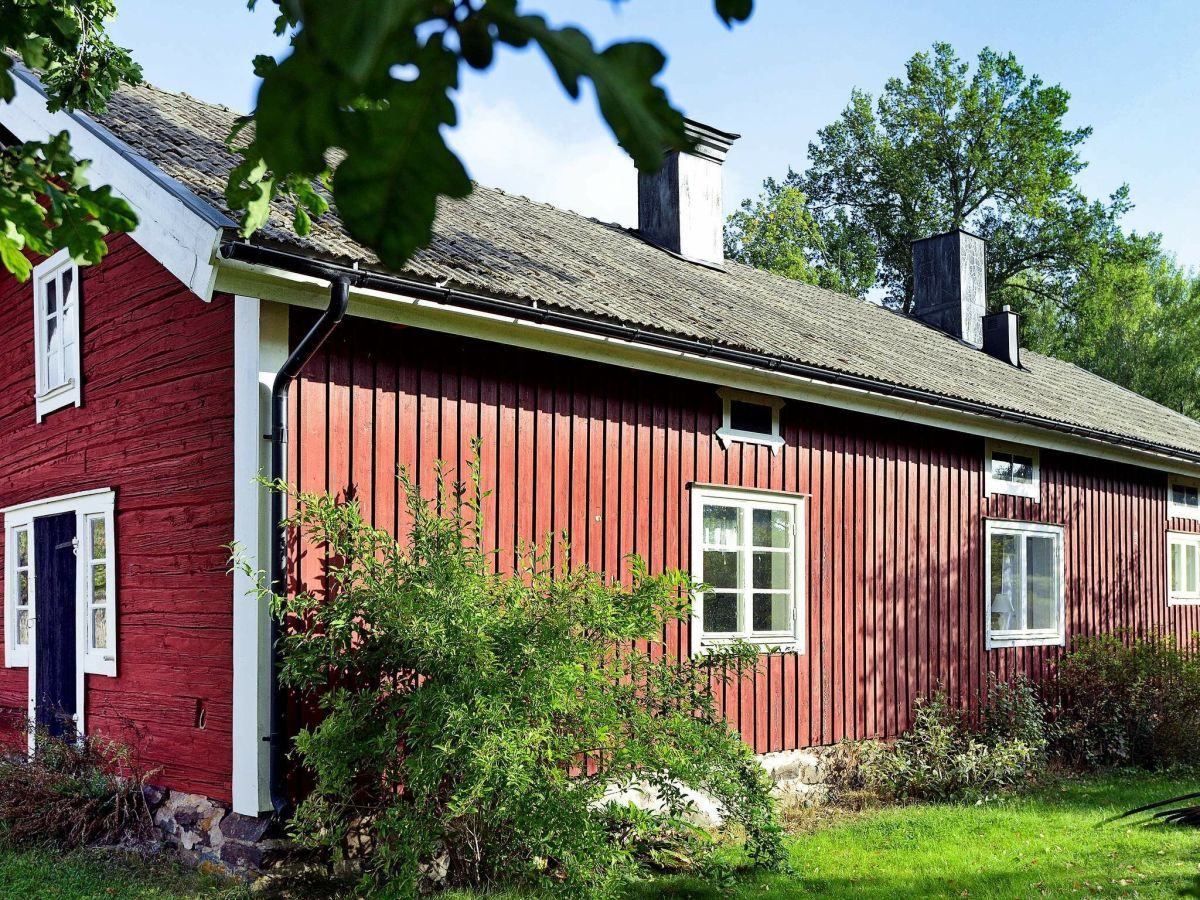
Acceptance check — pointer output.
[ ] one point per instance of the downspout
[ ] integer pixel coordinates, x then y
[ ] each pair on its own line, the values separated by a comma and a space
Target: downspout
339, 298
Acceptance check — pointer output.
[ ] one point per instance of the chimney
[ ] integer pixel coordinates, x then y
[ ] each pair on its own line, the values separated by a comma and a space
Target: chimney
1000, 336
949, 285
679, 206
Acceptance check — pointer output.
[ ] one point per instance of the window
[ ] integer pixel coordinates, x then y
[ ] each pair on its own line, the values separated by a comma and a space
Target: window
1183, 568
747, 549
19, 587
1024, 584
750, 418
95, 578
56, 333
1183, 497
1012, 469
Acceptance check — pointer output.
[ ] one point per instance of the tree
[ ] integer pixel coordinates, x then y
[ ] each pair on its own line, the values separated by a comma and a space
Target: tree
945, 148
777, 232
46, 202
356, 110
1132, 316
353, 114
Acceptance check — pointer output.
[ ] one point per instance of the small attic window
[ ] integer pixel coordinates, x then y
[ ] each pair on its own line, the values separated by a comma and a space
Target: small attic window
1183, 498
1012, 469
749, 418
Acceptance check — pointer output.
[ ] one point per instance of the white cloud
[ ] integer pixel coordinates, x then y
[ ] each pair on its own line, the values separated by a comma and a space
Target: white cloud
503, 147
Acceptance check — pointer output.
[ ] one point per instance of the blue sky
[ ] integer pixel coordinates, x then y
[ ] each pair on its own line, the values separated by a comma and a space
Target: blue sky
1133, 70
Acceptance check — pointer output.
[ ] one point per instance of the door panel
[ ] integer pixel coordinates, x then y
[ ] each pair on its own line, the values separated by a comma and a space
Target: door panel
54, 632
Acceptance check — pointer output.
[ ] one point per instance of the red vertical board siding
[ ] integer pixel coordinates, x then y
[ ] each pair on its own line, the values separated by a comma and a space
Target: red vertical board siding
894, 535
156, 425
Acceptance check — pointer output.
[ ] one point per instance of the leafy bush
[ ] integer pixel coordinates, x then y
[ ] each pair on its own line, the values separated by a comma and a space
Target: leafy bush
942, 757
472, 721
1130, 701
72, 793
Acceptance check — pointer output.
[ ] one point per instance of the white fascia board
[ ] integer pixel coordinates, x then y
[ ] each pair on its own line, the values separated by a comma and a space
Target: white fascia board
174, 225
299, 290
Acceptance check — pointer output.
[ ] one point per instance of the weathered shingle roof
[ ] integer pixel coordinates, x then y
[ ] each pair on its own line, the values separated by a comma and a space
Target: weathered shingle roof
500, 244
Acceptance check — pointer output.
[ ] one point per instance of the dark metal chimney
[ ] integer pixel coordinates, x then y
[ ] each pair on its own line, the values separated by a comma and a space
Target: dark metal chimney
680, 207
950, 284
1000, 336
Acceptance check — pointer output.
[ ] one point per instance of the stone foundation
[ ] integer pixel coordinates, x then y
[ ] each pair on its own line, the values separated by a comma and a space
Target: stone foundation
209, 836
799, 777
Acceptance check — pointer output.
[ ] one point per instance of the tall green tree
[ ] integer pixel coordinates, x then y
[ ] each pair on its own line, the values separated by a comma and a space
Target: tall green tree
353, 114
946, 147
1132, 316
46, 202
778, 232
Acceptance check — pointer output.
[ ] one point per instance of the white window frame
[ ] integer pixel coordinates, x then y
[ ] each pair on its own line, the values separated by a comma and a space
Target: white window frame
994, 485
727, 434
51, 397
1184, 539
791, 641
16, 655
1042, 637
86, 505
1178, 511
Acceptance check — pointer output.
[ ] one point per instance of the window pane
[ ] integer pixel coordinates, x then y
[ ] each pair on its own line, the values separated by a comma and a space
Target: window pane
771, 612
1191, 497
22, 589
721, 569
100, 628
22, 548
723, 526
1041, 591
1177, 576
68, 278
753, 417
99, 584
720, 613
1005, 586
99, 550
1022, 469
22, 626
1190, 569
1002, 466
771, 570
772, 528
51, 296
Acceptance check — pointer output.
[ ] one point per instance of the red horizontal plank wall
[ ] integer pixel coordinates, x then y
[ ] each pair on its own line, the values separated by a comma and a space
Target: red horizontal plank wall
156, 425
894, 600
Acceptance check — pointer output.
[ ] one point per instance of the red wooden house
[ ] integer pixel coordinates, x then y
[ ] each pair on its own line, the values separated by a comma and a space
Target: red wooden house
884, 503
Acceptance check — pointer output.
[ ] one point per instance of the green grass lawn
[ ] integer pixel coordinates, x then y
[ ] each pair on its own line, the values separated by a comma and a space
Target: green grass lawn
1051, 842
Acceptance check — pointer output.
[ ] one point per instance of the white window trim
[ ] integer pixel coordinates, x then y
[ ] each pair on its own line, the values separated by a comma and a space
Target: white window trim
16, 655
791, 642
1182, 598
1044, 637
1174, 510
48, 400
85, 505
726, 434
995, 486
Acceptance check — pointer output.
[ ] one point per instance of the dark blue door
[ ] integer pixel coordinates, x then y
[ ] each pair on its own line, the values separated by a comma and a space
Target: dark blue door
54, 643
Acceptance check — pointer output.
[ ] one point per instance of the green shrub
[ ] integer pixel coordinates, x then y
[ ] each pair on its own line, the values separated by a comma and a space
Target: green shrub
942, 757
72, 793
1130, 701
472, 721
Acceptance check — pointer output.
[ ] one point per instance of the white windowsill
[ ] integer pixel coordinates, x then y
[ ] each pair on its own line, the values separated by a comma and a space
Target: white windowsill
782, 644
1025, 639
727, 436
1182, 512
1183, 601
63, 395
